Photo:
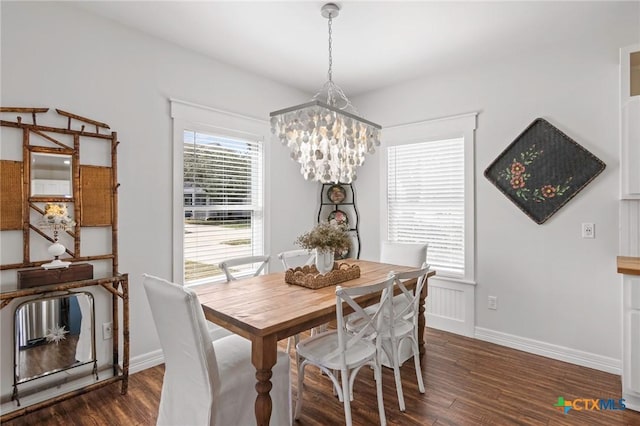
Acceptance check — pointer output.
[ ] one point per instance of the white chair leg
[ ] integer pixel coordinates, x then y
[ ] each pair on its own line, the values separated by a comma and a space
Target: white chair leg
335, 389
352, 380
319, 329
396, 374
416, 358
292, 341
300, 368
347, 401
296, 339
377, 373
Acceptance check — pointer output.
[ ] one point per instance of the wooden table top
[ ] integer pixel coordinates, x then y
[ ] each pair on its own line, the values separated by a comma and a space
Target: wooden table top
629, 265
266, 305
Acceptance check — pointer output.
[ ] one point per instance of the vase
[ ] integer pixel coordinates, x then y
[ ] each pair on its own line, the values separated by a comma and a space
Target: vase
324, 261
56, 249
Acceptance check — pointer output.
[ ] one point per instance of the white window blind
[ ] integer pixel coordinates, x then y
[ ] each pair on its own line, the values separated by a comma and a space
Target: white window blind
223, 212
425, 193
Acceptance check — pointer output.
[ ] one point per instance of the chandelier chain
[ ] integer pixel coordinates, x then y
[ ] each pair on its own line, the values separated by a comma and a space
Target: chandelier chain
330, 73
334, 94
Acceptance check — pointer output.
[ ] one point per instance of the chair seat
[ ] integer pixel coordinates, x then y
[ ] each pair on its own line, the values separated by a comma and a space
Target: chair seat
323, 349
402, 328
216, 332
399, 303
237, 383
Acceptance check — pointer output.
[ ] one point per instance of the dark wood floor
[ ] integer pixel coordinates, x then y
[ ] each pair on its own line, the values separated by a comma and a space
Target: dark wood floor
468, 382
50, 356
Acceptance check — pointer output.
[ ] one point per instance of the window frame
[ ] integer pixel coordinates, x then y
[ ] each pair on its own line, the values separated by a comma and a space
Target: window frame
203, 119
459, 126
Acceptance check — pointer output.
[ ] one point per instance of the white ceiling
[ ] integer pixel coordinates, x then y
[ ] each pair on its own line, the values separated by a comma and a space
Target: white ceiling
375, 44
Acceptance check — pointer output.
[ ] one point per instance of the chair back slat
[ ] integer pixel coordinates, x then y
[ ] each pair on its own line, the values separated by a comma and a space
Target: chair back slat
294, 258
412, 297
239, 261
371, 321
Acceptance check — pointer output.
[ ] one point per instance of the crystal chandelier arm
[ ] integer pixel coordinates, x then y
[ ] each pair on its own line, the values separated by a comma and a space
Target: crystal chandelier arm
331, 89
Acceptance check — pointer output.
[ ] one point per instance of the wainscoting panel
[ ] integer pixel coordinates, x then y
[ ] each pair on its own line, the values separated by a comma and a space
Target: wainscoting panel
629, 228
450, 306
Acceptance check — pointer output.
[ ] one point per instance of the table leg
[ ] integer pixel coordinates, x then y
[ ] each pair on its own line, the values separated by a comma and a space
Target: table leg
263, 358
421, 320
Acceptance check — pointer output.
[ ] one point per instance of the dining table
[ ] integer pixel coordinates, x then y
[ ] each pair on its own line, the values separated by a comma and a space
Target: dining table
265, 309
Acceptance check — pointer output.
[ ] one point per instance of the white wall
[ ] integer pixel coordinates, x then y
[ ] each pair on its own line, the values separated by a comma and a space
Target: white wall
56, 56
552, 286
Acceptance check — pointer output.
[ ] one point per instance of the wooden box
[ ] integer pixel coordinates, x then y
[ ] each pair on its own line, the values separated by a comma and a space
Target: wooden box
35, 277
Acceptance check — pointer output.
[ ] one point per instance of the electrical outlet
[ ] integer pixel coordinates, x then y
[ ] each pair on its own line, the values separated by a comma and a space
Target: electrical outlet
107, 331
588, 230
493, 303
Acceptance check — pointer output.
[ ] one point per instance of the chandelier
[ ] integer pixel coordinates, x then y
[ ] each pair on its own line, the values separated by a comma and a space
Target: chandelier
326, 135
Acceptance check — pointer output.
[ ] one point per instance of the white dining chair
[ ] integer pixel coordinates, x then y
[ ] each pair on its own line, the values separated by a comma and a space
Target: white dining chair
401, 328
403, 254
207, 383
228, 265
233, 269
404, 327
339, 350
295, 258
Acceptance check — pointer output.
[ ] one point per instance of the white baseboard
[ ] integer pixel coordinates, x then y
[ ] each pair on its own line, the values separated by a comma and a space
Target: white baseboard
561, 353
153, 358
632, 402
144, 361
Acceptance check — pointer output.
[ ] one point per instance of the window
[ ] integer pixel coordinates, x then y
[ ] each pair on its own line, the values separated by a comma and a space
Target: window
218, 189
222, 193
426, 201
429, 191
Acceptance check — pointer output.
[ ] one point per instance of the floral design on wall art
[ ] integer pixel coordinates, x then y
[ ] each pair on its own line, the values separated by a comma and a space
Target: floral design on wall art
517, 175
542, 169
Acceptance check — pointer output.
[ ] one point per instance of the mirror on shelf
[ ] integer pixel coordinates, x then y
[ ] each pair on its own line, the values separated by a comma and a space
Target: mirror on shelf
51, 175
53, 334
